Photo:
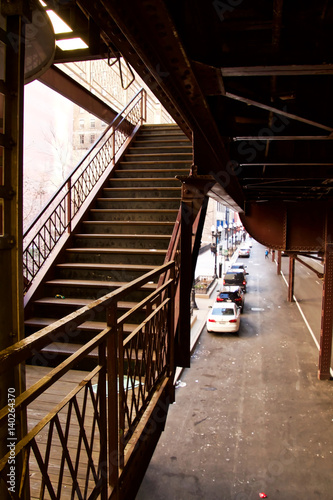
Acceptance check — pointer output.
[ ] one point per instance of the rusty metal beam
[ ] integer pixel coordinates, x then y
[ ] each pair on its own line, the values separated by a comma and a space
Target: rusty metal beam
65, 85
282, 70
325, 350
320, 275
291, 283
277, 111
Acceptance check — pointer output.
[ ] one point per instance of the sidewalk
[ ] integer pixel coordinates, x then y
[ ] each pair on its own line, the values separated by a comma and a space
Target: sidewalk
199, 316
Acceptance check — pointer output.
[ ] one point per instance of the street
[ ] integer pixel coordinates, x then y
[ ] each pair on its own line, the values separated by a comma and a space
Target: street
250, 414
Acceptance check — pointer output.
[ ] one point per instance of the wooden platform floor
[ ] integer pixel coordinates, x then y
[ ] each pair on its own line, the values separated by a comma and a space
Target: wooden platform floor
75, 443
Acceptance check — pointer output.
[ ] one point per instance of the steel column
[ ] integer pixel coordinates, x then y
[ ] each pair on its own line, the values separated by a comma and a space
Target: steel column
327, 317
11, 185
278, 268
194, 190
291, 279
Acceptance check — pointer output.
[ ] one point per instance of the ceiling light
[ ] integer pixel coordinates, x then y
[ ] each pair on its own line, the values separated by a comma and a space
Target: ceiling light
58, 24
71, 44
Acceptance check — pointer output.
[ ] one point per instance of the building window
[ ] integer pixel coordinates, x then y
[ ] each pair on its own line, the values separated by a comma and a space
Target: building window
92, 122
81, 138
92, 138
81, 123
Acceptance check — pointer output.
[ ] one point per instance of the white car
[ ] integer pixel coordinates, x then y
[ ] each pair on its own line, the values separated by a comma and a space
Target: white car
224, 317
244, 252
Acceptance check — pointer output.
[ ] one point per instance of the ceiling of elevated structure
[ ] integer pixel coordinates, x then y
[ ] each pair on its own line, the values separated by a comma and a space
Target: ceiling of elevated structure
251, 82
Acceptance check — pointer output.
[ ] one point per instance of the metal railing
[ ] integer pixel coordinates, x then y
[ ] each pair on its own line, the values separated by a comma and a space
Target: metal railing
84, 444
63, 211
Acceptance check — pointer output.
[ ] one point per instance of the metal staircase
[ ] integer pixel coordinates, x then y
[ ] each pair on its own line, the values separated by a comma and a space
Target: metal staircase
124, 234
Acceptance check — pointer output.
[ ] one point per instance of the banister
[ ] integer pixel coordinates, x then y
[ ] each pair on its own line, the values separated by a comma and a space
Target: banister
25, 348
61, 213
112, 124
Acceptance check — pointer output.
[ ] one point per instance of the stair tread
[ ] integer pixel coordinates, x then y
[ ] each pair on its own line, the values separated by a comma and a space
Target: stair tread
94, 283
138, 199
78, 302
121, 236
117, 250
93, 265
135, 210
69, 349
143, 188
142, 179
129, 222
153, 162
87, 325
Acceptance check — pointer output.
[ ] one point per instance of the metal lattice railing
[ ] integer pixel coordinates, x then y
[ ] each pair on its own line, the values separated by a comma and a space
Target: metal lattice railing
83, 427
62, 212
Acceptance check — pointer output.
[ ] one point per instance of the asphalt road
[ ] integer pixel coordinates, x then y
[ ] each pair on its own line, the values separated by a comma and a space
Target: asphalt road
250, 415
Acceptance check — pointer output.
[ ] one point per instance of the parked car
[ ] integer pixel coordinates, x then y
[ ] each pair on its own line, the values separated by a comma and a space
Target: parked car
224, 317
244, 252
232, 294
235, 277
239, 266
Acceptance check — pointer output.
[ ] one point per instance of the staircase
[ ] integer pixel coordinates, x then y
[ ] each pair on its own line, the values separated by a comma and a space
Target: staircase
125, 233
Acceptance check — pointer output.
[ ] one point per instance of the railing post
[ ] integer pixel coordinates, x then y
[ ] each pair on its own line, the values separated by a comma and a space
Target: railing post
112, 371
144, 106
121, 431
113, 143
171, 324
69, 206
103, 420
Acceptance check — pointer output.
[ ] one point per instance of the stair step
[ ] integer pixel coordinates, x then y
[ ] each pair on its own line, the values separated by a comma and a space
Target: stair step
146, 164
156, 157
65, 349
138, 203
94, 265
128, 227
136, 214
162, 140
124, 251
149, 172
98, 271
147, 182
158, 148
117, 256
158, 241
142, 192
76, 302
91, 326
92, 289
95, 283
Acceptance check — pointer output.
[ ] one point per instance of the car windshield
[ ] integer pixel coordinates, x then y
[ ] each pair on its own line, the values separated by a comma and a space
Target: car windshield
219, 311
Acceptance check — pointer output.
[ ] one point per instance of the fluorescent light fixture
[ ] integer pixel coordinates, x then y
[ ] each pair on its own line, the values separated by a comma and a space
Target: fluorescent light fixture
58, 24
71, 44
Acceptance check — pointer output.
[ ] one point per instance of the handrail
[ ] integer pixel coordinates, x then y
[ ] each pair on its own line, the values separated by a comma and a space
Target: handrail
136, 368
60, 215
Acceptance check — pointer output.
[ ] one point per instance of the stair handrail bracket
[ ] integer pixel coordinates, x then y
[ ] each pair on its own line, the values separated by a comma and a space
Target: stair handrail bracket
51, 228
105, 415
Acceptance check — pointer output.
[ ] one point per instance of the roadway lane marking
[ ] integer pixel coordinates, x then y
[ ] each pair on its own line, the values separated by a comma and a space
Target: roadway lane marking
305, 320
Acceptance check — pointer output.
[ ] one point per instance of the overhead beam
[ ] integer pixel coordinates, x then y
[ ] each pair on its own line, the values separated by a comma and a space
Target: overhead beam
277, 111
285, 70
283, 138
65, 85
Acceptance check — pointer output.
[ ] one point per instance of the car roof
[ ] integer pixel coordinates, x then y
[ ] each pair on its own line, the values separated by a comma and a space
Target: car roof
224, 305
230, 288
235, 271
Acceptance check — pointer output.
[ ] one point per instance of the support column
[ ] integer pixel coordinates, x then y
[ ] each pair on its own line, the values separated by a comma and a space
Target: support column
325, 351
194, 189
11, 213
291, 279
278, 267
